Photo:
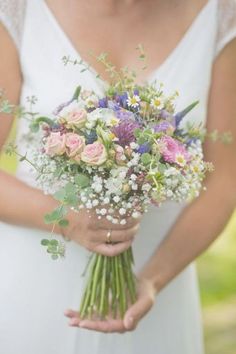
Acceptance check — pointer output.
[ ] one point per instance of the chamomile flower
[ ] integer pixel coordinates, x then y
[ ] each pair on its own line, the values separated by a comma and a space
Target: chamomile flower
180, 159
156, 103
133, 101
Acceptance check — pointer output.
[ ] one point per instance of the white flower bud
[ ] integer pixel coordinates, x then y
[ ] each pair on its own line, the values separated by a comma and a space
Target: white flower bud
122, 211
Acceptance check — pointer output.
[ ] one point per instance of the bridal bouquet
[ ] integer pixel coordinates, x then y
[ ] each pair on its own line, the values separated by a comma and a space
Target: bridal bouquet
116, 154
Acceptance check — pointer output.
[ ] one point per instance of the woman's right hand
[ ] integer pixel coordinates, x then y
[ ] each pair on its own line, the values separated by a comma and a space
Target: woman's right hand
90, 232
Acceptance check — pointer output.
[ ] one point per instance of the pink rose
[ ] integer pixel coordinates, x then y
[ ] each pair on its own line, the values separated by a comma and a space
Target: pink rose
74, 144
55, 144
94, 154
76, 118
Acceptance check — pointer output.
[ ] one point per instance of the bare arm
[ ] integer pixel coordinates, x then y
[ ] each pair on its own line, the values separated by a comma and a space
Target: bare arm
203, 220
12, 191
24, 205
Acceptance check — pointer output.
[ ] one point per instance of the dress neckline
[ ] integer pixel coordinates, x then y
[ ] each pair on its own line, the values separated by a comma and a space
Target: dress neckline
152, 75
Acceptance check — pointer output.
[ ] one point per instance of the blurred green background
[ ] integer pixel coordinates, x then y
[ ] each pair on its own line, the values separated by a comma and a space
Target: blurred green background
217, 276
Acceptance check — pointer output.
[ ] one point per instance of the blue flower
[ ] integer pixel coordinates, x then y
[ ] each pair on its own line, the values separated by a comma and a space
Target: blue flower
113, 105
144, 148
122, 99
102, 103
91, 137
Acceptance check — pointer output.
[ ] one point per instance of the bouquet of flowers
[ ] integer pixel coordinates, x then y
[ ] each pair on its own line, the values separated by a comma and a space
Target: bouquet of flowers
116, 154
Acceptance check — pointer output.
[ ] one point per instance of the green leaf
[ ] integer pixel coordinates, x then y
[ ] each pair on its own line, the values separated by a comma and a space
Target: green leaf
71, 194
60, 195
53, 242
34, 127
45, 120
137, 132
69, 188
82, 180
142, 140
63, 223
56, 215
146, 158
52, 249
48, 219
44, 242
77, 93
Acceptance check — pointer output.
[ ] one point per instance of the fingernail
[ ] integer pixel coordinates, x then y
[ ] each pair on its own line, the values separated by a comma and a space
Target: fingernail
130, 320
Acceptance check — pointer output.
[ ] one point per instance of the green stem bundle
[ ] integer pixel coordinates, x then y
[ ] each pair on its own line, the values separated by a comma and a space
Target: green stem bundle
110, 288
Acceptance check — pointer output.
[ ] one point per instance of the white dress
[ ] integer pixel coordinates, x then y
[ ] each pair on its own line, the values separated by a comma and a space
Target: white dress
34, 290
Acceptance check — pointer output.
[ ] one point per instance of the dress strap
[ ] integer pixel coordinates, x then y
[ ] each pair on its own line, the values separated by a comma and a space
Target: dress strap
226, 24
12, 17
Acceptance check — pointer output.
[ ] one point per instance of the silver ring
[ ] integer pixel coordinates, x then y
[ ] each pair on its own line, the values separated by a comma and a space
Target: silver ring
108, 240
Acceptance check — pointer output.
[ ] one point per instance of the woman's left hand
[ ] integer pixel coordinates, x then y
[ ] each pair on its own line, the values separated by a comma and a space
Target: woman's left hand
145, 301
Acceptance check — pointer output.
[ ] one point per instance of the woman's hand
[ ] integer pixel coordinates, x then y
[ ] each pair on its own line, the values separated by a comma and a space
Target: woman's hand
90, 232
145, 301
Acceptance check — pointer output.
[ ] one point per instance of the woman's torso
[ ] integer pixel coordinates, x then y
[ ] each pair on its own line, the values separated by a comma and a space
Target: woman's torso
187, 69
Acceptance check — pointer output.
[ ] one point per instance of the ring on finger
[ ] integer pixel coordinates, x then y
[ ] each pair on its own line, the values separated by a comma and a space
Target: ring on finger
108, 238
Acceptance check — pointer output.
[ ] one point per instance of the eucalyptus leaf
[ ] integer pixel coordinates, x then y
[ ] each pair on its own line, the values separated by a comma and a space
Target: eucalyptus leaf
56, 215
44, 242
63, 223
146, 158
82, 180
60, 195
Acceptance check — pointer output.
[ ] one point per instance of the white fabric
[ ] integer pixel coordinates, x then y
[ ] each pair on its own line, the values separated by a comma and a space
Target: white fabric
226, 23
12, 16
34, 291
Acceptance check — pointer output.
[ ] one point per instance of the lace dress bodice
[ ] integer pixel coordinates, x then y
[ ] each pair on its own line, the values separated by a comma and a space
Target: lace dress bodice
12, 13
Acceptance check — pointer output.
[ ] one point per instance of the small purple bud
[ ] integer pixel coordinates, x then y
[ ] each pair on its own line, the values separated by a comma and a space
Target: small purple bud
102, 103
144, 148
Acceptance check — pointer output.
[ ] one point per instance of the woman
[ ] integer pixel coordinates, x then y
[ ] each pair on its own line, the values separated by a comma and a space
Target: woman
191, 47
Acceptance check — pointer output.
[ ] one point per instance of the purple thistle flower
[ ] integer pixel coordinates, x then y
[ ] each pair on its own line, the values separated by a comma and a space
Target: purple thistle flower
136, 92
125, 132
